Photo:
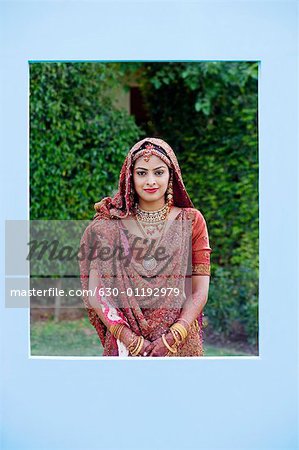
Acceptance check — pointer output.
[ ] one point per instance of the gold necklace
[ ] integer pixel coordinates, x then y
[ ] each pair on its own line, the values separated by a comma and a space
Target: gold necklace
150, 263
152, 216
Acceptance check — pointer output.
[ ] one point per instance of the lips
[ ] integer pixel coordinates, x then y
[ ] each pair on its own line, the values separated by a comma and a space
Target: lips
151, 191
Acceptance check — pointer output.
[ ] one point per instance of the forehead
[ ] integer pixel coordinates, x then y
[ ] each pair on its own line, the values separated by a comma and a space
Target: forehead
154, 161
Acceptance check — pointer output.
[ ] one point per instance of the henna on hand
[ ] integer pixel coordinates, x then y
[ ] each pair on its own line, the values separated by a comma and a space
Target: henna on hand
147, 348
159, 348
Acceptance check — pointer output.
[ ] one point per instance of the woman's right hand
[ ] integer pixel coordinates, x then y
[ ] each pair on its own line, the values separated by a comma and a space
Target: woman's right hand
146, 348
128, 335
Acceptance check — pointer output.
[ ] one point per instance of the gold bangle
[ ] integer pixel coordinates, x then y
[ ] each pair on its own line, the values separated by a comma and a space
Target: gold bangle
121, 332
196, 325
141, 344
176, 340
178, 336
133, 338
132, 350
138, 347
184, 320
133, 344
180, 329
172, 350
116, 330
135, 349
113, 329
182, 335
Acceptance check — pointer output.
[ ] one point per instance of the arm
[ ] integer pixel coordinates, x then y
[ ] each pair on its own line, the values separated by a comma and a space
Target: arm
191, 310
195, 304
126, 334
201, 251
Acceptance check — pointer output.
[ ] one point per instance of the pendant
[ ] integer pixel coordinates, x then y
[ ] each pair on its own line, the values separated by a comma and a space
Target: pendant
149, 263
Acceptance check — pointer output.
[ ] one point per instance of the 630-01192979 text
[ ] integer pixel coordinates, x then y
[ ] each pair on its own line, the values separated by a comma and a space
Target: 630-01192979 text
107, 292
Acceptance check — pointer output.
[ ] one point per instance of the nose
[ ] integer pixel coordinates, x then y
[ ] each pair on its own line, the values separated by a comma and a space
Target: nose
151, 181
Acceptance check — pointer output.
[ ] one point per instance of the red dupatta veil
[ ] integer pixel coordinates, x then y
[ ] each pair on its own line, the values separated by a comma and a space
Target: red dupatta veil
153, 316
121, 204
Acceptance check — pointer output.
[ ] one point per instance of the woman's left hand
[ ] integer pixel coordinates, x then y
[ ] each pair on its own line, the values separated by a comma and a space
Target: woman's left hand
159, 348
147, 348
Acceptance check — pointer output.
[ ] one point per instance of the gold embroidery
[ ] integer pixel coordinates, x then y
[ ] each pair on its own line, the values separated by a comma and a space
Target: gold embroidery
201, 269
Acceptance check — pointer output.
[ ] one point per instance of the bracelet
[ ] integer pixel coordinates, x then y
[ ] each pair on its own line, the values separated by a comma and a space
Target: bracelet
180, 329
132, 340
186, 321
175, 337
139, 347
178, 336
171, 349
132, 344
116, 330
196, 325
119, 332
139, 344
183, 333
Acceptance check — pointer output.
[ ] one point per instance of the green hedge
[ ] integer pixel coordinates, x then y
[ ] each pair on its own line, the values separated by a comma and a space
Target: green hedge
78, 139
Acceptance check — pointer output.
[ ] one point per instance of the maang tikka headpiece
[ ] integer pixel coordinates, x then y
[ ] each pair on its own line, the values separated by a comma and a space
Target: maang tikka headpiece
149, 150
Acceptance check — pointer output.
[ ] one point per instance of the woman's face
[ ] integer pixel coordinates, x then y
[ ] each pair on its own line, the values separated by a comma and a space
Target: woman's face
153, 174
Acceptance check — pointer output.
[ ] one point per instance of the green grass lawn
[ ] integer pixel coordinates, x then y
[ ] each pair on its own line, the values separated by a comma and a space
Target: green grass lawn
65, 338
78, 338
213, 350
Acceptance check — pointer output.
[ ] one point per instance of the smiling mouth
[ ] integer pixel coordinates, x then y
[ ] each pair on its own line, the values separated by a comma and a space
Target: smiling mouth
151, 190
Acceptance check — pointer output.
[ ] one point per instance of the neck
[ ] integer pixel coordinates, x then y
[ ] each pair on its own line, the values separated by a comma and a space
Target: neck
151, 206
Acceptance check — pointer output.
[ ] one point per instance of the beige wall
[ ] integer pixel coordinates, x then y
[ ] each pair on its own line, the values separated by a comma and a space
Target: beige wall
121, 98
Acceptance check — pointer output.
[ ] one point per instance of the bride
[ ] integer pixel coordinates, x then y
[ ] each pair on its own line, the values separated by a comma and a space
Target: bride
147, 300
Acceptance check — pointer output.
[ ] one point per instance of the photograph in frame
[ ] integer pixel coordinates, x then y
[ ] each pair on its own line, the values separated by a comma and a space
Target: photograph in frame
226, 402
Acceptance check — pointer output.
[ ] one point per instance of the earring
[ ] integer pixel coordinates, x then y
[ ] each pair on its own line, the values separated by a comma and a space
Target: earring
169, 192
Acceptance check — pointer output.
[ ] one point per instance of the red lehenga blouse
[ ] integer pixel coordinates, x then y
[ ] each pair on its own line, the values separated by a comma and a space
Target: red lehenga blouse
148, 301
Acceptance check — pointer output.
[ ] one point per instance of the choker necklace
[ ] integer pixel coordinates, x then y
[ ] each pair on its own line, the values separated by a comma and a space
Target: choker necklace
152, 216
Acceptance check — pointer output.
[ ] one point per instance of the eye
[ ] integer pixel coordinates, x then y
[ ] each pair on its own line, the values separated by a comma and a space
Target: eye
160, 172
141, 173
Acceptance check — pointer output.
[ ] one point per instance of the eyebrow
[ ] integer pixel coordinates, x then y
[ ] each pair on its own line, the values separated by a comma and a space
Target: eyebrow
160, 167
